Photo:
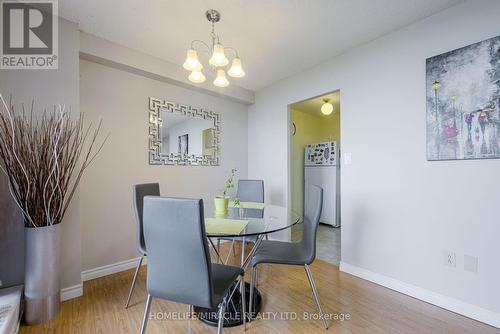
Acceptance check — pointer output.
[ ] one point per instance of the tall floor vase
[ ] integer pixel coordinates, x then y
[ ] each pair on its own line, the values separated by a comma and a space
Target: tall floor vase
42, 291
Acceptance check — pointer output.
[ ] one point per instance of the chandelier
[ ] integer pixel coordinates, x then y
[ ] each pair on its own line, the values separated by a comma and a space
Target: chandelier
218, 60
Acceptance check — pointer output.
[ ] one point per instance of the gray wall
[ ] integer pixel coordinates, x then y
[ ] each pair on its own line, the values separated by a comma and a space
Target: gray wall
47, 87
121, 98
400, 212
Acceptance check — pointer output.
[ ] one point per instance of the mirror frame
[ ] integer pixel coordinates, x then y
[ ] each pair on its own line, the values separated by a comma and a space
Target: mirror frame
156, 157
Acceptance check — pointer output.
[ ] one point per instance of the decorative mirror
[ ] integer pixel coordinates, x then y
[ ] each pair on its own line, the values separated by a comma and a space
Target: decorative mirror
182, 135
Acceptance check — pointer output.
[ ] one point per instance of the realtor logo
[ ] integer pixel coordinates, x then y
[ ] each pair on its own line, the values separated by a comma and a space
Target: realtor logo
29, 34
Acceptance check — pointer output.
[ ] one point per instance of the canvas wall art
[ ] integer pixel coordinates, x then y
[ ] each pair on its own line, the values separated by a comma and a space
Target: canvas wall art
463, 96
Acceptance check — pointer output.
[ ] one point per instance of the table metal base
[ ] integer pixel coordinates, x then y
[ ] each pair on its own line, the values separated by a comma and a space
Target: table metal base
233, 316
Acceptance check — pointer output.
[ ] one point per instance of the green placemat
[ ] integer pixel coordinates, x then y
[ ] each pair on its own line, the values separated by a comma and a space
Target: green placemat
224, 226
249, 205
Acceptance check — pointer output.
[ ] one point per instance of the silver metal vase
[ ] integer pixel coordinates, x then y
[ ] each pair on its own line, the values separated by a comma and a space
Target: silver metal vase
42, 291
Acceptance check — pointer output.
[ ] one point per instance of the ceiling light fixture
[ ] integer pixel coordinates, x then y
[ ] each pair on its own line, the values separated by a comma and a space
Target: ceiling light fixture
327, 107
218, 59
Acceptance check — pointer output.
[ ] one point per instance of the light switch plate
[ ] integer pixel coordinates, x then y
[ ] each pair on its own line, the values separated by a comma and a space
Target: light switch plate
347, 158
470, 263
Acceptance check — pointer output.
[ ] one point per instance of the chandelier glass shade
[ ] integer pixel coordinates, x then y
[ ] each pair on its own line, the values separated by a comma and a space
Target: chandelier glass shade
236, 71
217, 60
192, 63
197, 77
221, 80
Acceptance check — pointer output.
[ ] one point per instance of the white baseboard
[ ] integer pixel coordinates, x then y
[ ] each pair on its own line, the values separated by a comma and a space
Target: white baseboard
448, 303
110, 269
116, 267
76, 291
71, 292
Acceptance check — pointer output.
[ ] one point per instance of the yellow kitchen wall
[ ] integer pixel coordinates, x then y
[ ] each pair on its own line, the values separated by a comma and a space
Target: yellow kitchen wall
309, 129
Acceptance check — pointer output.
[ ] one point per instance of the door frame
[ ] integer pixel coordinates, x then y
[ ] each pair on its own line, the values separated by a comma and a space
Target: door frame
290, 126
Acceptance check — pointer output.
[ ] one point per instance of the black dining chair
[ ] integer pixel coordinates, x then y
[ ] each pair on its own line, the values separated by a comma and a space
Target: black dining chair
179, 267
138, 193
300, 253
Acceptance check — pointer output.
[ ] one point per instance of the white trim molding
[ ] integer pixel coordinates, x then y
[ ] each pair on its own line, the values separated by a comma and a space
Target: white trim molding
116, 267
71, 292
76, 291
109, 269
448, 303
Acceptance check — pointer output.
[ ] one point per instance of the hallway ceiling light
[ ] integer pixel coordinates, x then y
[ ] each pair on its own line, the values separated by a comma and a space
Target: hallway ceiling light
218, 58
327, 107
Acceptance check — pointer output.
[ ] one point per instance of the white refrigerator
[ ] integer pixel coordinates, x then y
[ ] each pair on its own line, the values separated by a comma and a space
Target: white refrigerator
321, 168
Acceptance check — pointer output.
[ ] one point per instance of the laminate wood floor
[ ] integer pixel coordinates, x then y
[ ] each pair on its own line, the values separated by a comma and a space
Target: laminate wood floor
371, 308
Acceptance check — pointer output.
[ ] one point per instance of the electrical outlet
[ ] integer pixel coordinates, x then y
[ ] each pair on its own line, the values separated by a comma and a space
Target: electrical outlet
470, 263
450, 259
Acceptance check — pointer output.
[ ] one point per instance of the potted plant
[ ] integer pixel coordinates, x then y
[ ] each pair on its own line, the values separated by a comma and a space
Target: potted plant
44, 156
222, 202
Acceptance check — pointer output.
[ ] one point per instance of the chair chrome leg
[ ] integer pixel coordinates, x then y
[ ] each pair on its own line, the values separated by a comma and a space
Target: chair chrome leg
219, 258
256, 281
146, 314
220, 324
133, 280
234, 249
218, 249
229, 253
248, 259
243, 302
316, 295
243, 251
250, 302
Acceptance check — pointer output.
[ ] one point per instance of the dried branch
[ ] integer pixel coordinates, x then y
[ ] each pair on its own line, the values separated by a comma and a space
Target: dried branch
44, 159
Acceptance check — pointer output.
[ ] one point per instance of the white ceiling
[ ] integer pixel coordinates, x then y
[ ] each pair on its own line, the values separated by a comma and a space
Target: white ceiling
275, 38
313, 105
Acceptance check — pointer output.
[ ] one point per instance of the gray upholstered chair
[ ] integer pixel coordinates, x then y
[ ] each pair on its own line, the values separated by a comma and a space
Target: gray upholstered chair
138, 193
251, 191
248, 191
179, 266
300, 253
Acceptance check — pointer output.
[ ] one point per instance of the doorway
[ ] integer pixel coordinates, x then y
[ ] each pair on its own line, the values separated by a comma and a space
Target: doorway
314, 157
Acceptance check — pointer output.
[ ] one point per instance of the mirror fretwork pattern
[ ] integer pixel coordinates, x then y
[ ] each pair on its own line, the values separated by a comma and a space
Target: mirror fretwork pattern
182, 135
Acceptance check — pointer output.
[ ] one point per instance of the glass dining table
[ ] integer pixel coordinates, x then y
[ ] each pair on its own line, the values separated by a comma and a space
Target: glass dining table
272, 219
